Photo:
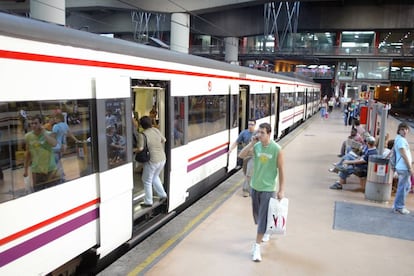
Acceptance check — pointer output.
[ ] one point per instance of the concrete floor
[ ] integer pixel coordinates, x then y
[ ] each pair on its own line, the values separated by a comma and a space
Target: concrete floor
221, 244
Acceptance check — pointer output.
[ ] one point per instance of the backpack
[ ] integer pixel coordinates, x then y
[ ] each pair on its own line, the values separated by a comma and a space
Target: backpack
144, 155
393, 159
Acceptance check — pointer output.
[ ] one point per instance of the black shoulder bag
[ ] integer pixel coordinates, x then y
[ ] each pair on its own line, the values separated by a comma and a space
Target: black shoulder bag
144, 155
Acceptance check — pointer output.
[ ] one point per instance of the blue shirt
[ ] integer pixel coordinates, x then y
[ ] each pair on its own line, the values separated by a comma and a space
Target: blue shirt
244, 137
60, 129
401, 143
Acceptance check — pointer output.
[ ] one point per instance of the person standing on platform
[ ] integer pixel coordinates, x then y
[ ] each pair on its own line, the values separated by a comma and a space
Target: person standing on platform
403, 167
244, 138
268, 174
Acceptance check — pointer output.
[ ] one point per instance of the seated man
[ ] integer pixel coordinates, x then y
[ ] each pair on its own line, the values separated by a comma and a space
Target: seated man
353, 138
359, 164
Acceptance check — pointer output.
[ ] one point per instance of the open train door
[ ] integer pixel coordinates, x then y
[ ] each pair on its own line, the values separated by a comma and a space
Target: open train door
239, 119
149, 99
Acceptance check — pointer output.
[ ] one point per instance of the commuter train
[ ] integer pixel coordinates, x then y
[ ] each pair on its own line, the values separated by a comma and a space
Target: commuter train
101, 85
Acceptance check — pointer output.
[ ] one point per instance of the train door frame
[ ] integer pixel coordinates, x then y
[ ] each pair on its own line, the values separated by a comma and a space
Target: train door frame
160, 99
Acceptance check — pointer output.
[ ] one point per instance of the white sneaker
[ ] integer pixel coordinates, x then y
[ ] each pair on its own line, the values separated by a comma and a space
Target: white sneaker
266, 238
257, 257
402, 211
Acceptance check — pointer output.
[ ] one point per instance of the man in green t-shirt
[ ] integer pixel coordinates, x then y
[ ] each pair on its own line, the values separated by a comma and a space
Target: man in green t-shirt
268, 174
39, 155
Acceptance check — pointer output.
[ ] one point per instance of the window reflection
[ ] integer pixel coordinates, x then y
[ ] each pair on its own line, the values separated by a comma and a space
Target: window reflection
178, 126
287, 101
48, 164
259, 106
206, 115
116, 132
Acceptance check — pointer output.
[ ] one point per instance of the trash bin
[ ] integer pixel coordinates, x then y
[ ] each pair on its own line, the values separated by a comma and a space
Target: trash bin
379, 179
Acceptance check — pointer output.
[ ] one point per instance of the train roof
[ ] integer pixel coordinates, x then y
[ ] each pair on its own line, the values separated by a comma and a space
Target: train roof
31, 29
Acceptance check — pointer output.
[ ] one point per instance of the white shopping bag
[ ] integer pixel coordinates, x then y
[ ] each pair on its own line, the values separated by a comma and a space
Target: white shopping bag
277, 216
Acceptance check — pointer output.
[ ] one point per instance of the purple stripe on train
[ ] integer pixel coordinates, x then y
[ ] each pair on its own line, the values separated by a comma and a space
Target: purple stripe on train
34, 243
205, 160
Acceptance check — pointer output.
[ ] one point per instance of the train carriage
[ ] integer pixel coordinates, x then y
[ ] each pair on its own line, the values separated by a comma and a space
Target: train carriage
101, 85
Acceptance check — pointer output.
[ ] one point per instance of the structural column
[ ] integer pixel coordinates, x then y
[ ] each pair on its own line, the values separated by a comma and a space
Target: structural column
180, 32
53, 11
231, 49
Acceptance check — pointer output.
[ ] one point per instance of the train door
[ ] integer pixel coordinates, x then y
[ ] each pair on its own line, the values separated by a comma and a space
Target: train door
276, 106
149, 99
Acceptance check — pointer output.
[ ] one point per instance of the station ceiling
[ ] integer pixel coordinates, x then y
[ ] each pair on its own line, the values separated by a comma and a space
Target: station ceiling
173, 6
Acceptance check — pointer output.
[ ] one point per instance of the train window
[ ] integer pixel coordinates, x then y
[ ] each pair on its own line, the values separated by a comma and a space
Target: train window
48, 142
259, 105
207, 115
178, 126
273, 103
300, 98
287, 101
115, 124
234, 106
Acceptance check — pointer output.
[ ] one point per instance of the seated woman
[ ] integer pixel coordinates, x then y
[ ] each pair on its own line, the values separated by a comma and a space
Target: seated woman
351, 166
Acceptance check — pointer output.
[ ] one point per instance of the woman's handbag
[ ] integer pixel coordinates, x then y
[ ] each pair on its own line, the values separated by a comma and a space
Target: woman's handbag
277, 216
144, 155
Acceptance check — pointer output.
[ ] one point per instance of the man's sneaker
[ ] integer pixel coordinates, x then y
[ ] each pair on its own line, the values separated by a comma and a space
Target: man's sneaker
336, 186
402, 211
333, 170
257, 257
246, 194
266, 238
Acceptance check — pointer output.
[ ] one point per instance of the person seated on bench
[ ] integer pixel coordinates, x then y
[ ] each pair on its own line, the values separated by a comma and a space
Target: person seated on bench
353, 138
358, 166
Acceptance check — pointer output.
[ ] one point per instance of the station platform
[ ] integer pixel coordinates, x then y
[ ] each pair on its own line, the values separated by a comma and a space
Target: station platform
215, 236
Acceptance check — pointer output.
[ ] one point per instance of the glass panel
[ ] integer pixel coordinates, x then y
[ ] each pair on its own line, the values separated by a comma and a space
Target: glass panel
235, 108
287, 101
116, 132
260, 105
207, 115
48, 142
178, 131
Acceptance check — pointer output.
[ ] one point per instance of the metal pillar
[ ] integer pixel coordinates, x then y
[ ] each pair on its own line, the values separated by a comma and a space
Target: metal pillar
231, 50
272, 13
180, 32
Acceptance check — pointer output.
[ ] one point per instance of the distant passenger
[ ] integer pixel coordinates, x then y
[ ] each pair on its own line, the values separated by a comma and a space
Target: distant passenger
39, 155
403, 167
352, 139
244, 139
359, 128
268, 174
152, 168
359, 164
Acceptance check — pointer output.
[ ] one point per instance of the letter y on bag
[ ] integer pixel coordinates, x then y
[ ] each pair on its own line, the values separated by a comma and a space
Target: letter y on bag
277, 216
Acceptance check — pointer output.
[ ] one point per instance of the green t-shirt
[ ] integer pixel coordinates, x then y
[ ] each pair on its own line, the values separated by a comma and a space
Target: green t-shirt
41, 153
265, 172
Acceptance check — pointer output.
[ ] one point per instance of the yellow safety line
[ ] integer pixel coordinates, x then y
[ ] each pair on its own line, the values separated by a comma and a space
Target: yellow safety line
186, 229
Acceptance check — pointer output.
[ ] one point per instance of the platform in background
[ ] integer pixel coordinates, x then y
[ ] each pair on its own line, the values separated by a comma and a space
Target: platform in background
222, 243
